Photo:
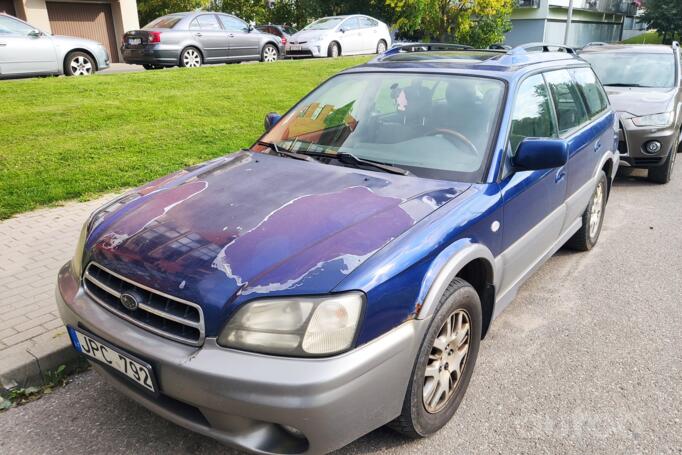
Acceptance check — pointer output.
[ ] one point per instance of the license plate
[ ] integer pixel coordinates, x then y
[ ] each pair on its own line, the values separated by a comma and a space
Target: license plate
95, 348
295, 47
134, 41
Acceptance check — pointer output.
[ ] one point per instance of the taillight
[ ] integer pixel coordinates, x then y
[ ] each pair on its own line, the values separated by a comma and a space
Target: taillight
154, 37
284, 40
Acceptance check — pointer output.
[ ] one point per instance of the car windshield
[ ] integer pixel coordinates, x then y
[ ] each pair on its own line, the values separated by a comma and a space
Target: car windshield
326, 23
435, 126
633, 69
289, 30
163, 22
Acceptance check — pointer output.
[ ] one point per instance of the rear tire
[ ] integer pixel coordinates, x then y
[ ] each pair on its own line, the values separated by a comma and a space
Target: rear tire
269, 54
444, 364
593, 218
79, 64
663, 173
152, 67
191, 58
334, 50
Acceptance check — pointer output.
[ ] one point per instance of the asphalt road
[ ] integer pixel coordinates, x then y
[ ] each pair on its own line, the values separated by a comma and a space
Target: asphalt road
587, 359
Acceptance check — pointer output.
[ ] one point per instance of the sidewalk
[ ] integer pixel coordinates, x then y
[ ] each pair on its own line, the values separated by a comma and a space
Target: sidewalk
33, 246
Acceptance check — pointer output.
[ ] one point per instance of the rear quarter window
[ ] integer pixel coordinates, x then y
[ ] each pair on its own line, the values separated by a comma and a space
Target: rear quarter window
568, 104
591, 89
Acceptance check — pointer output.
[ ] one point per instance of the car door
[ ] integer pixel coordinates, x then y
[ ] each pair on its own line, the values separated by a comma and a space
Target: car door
534, 208
210, 36
350, 37
241, 41
24, 50
586, 139
369, 35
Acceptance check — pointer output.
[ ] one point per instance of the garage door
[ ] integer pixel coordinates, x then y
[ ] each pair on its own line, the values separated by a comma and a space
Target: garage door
86, 20
7, 6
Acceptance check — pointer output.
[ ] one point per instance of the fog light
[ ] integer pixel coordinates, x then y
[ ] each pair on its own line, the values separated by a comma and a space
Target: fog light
653, 146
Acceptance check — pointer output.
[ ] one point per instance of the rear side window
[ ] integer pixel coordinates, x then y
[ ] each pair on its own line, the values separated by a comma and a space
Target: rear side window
532, 115
164, 22
570, 110
366, 22
205, 22
592, 91
232, 24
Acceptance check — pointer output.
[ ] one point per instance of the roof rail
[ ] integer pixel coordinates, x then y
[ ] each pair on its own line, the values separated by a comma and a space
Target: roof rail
596, 43
426, 47
544, 47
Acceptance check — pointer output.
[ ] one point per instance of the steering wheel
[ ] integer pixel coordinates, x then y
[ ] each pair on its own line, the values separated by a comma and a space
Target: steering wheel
456, 138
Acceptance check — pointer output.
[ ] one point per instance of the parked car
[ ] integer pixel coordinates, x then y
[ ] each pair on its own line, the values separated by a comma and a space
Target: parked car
27, 51
414, 195
643, 83
283, 31
340, 35
193, 39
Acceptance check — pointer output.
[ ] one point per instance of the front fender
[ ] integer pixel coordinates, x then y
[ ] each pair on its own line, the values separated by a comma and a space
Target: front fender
445, 267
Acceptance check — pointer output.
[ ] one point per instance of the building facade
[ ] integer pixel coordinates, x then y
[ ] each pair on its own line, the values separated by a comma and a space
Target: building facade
105, 21
545, 20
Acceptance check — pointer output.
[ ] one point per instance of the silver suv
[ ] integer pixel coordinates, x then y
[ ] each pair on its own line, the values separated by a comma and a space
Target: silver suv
193, 39
27, 51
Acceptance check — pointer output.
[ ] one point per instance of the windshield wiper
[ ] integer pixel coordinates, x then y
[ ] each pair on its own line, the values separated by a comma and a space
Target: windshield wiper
349, 158
623, 85
284, 152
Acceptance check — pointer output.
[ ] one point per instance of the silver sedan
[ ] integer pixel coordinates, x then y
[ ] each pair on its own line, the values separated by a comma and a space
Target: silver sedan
27, 51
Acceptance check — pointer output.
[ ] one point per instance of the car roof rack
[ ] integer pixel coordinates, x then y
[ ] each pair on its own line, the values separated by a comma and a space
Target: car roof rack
427, 47
596, 43
544, 47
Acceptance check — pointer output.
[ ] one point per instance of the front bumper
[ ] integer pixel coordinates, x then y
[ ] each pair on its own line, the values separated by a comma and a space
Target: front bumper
151, 56
248, 400
316, 49
632, 142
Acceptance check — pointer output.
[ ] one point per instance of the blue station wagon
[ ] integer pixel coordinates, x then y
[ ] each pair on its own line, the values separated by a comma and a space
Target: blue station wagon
340, 274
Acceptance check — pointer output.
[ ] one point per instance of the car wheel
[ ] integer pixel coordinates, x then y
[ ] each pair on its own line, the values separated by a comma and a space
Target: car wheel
152, 67
663, 173
190, 58
333, 50
593, 218
79, 64
269, 54
381, 47
444, 364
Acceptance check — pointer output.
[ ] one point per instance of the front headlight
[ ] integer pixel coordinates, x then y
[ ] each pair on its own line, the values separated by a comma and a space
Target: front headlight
298, 326
663, 119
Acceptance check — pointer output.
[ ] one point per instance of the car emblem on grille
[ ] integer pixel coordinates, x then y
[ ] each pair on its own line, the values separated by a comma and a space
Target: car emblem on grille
129, 301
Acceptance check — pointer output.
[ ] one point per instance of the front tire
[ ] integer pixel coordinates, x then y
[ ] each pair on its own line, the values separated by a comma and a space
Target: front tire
664, 172
334, 50
381, 47
593, 218
444, 364
79, 64
269, 54
191, 58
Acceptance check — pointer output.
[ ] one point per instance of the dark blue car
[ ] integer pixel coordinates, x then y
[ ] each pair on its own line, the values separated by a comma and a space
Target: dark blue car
340, 274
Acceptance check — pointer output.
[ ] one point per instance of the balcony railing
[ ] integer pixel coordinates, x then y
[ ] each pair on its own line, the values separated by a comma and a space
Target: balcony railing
626, 7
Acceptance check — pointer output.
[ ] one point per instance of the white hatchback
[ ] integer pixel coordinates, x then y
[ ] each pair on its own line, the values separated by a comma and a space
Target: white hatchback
340, 35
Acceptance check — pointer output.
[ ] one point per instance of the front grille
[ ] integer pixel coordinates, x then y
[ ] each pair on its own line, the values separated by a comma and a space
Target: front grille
301, 53
647, 161
157, 312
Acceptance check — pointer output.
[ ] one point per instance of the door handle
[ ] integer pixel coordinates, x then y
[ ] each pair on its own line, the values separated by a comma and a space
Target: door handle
559, 176
198, 34
3, 44
597, 145
231, 35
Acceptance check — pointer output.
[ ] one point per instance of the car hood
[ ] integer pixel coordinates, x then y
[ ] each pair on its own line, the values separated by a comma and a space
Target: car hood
310, 35
638, 101
252, 225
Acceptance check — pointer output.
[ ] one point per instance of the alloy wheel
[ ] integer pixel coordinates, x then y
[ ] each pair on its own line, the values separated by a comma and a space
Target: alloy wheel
381, 47
596, 210
80, 66
335, 50
447, 360
191, 58
269, 54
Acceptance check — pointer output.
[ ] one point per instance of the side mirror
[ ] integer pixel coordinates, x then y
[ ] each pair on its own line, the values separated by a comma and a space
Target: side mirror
271, 119
534, 154
35, 33
342, 30
251, 28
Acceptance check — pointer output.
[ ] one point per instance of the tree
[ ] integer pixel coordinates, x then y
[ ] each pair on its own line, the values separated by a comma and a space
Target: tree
665, 16
475, 22
249, 10
151, 9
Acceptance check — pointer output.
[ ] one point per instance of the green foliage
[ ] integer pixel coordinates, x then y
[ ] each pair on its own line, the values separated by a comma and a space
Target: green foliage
151, 9
68, 138
475, 22
249, 10
651, 37
51, 379
666, 17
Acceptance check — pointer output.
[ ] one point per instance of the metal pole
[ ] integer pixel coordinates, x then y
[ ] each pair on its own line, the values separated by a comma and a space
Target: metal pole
569, 17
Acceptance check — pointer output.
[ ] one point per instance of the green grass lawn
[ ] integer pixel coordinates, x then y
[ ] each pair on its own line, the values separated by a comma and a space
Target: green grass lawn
66, 138
651, 37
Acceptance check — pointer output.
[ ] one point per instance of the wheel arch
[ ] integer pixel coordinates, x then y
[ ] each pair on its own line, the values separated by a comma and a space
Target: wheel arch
79, 49
338, 43
465, 259
193, 46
